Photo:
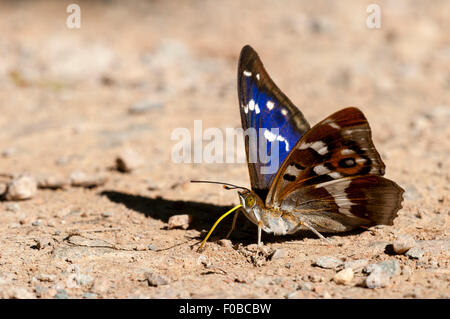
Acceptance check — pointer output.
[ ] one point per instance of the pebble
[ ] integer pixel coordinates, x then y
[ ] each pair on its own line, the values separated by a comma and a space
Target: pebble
356, 265
40, 291
151, 247
13, 292
128, 160
415, 253
278, 254
45, 278
52, 182
3, 188
225, 243
42, 242
377, 279
13, 207
36, 223
61, 294
179, 221
90, 295
81, 179
107, 214
403, 244
155, 280
344, 277
406, 271
306, 286
314, 278
389, 267
328, 262
100, 286
21, 187
144, 107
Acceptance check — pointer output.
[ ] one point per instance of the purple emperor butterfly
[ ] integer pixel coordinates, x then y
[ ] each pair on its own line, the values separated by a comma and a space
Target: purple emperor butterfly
330, 176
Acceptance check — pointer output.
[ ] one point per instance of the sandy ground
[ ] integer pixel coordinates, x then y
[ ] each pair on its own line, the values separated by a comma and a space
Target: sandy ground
65, 99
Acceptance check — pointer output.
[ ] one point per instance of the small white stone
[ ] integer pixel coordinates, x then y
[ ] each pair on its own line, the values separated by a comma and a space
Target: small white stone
344, 277
179, 221
81, 179
21, 187
128, 160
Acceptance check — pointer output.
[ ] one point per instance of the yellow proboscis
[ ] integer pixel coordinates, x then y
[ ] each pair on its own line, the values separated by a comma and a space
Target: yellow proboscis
216, 223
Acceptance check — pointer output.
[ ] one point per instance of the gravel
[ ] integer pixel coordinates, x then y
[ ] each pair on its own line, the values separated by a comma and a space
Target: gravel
107, 214
128, 160
381, 273
389, 267
179, 221
61, 294
21, 187
403, 244
356, 265
156, 280
415, 253
278, 254
328, 262
81, 179
344, 277
52, 182
377, 279
13, 207
144, 107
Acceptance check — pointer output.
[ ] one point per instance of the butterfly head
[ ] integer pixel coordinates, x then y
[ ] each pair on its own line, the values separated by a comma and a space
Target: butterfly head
252, 205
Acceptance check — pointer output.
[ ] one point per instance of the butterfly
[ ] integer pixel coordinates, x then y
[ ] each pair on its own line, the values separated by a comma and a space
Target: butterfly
329, 178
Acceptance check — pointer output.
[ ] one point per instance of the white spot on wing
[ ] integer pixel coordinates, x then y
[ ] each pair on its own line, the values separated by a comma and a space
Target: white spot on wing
257, 110
284, 112
245, 109
247, 73
282, 139
269, 136
251, 105
321, 170
257, 76
270, 105
335, 175
332, 124
272, 137
319, 146
360, 160
347, 151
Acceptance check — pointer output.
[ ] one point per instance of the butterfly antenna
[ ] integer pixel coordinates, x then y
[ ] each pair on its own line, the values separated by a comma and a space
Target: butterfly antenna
225, 185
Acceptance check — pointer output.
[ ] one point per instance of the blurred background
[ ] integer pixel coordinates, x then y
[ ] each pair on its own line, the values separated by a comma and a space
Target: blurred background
73, 98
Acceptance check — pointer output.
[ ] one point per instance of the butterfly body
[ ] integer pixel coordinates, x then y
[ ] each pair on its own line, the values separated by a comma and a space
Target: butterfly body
330, 175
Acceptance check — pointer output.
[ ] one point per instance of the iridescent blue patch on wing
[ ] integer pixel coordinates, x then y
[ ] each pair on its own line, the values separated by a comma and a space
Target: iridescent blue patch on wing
266, 112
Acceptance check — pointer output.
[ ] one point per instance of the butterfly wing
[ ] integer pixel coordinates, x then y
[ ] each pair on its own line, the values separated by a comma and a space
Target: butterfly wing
264, 106
335, 170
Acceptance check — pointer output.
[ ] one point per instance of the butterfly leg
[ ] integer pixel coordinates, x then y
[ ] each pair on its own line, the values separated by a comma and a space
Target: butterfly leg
259, 234
233, 224
310, 228
314, 231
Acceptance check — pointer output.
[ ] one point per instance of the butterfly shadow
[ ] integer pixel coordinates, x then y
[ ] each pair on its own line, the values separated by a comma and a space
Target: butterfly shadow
203, 214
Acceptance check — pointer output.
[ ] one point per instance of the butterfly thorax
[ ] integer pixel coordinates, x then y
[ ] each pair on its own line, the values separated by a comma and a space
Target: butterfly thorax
271, 220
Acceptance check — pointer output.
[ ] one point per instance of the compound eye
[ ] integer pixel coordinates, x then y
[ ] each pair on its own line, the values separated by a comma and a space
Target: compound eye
250, 201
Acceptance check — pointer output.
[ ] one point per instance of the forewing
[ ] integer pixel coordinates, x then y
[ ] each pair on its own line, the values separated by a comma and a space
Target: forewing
264, 106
